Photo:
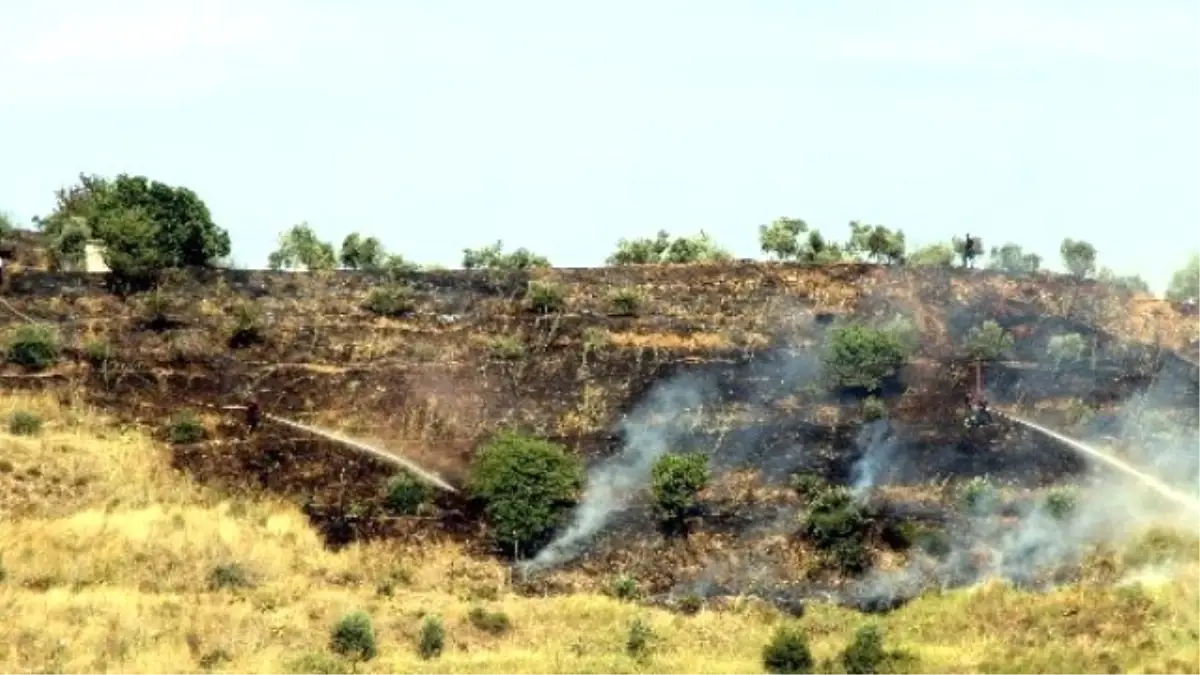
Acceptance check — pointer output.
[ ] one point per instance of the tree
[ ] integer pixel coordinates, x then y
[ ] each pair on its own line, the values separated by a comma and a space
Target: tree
1132, 283
967, 254
675, 480
6, 224
493, 257
876, 242
180, 225
665, 249
1012, 259
130, 250
361, 254
1066, 348
933, 255
988, 341
782, 238
859, 356
1079, 257
1185, 282
526, 486
299, 246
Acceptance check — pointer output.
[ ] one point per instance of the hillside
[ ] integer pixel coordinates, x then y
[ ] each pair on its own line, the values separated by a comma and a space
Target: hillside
721, 359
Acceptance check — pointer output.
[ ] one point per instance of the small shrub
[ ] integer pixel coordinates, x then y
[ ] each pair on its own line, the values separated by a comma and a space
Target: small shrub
432, 639
545, 297
496, 623
623, 587
506, 347
978, 496
228, 575
1061, 502
849, 556
934, 541
353, 637
387, 586
314, 663
873, 409
406, 495
394, 301
98, 353
691, 604
675, 481
808, 485
865, 654
637, 644
988, 341
527, 486
787, 652
247, 326
24, 423
33, 346
186, 429
1066, 349
625, 301
833, 516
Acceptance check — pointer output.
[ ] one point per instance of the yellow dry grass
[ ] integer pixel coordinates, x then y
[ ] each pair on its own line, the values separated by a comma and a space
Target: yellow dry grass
108, 561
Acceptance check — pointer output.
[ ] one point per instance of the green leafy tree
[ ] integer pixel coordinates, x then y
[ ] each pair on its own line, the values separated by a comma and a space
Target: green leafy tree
1067, 348
876, 242
1012, 259
988, 341
493, 257
859, 356
300, 247
787, 653
782, 238
1079, 257
1131, 283
670, 250
527, 486
353, 637
181, 228
675, 480
1185, 282
819, 251
967, 255
361, 254
6, 224
933, 255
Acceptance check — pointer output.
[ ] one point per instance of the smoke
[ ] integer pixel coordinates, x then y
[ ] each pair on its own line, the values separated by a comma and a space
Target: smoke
1041, 542
879, 456
669, 418
652, 430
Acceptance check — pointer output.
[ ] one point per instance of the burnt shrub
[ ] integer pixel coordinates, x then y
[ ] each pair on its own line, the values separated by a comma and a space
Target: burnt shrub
248, 327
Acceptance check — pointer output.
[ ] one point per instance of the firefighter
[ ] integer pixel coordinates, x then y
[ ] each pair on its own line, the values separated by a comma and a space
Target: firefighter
969, 250
985, 417
253, 415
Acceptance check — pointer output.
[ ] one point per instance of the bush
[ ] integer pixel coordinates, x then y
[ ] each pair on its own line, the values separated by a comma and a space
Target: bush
527, 487
787, 652
545, 297
623, 587
691, 604
98, 353
33, 346
873, 409
24, 423
247, 326
978, 496
849, 556
1068, 348
432, 639
393, 301
988, 341
675, 481
186, 429
625, 301
405, 495
1061, 502
808, 486
353, 637
860, 357
833, 516
228, 575
496, 623
865, 654
637, 644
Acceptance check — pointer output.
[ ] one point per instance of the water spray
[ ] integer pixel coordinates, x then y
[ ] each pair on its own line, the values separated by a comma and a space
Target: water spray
389, 457
1118, 464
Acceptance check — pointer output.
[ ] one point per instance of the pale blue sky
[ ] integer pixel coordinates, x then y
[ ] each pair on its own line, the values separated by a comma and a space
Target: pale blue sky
563, 126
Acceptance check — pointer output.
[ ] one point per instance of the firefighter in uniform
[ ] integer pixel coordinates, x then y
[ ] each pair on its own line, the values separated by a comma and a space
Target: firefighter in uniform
253, 415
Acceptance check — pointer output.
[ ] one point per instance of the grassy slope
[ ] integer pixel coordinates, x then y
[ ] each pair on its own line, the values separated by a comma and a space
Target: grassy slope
108, 557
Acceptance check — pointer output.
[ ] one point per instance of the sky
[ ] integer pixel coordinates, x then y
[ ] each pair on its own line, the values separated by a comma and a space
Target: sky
564, 126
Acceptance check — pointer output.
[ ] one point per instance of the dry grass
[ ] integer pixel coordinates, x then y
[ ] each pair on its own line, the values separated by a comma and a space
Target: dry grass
109, 560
